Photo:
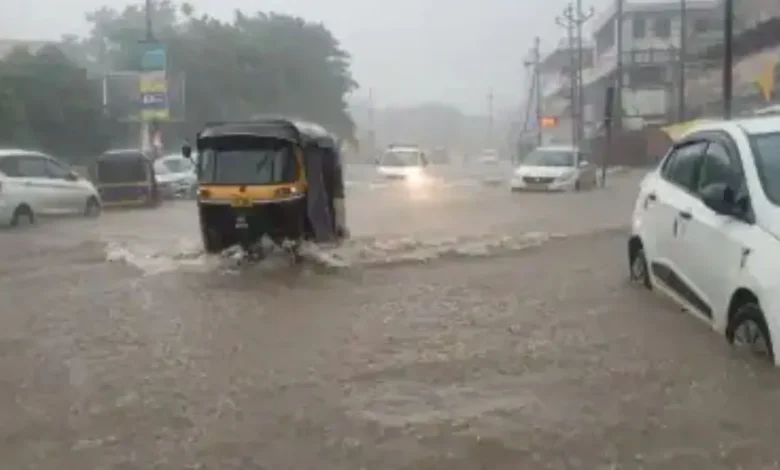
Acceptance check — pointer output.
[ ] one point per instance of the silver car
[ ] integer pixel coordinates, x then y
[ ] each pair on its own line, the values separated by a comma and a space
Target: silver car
555, 168
176, 176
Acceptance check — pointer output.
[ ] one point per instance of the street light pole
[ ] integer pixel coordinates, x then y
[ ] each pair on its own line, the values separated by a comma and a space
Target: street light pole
148, 16
567, 20
728, 57
682, 53
581, 18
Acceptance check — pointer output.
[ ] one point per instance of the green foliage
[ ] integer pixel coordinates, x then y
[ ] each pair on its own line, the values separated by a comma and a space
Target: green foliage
47, 102
254, 64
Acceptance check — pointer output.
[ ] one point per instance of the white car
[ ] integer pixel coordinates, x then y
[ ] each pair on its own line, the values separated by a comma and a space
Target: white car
706, 229
176, 176
34, 184
403, 162
554, 168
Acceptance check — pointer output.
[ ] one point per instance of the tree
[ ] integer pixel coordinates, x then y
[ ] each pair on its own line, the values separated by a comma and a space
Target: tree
47, 102
253, 65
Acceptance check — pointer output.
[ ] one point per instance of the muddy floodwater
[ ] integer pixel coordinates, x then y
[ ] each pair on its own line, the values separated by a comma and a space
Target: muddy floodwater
463, 327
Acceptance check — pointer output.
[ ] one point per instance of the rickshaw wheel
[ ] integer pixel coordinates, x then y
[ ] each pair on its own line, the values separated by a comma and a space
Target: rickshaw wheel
211, 242
294, 251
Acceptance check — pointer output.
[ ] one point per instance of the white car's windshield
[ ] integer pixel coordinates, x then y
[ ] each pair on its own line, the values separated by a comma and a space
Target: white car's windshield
174, 165
766, 148
549, 157
401, 158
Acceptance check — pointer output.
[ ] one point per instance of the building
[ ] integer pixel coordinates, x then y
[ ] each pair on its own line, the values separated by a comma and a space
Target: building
651, 39
756, 50
555, 71
751, 13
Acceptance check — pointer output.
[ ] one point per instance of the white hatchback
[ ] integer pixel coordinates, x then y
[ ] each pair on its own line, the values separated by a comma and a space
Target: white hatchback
33, 184
554, 168
706, 229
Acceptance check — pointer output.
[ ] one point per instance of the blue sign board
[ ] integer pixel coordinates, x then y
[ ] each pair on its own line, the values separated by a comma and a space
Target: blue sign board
154, 100
153, 58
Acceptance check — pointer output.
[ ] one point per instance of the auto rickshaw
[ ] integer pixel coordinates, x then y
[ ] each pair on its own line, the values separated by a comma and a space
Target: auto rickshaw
125, 178
269, 177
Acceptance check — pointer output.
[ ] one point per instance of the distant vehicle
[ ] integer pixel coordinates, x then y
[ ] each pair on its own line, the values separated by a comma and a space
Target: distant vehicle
126, 177
489, 167
177, 174
33, 184
403, 162
488, 157
705, 230
555, 168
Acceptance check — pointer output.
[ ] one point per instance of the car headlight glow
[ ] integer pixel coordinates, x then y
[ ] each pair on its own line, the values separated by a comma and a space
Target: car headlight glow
415, 178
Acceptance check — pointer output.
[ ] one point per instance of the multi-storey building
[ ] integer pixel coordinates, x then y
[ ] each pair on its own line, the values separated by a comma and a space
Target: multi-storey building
651, 40
555, 71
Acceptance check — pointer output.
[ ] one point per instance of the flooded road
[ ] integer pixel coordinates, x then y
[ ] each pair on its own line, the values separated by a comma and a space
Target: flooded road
471, 328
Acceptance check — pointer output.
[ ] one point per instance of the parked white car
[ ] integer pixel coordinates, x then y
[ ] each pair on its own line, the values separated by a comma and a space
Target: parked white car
176, 175
554, 168
706, 229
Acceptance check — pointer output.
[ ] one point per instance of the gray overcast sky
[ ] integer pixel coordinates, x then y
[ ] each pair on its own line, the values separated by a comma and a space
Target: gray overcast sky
408, 51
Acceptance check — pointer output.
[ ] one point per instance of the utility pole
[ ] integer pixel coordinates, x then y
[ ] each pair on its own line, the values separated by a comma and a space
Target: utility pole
372, 124
581, 18
728, 57
535, 62
682, 57
148, 15
568, 20
145, 126
617, 119
490, 119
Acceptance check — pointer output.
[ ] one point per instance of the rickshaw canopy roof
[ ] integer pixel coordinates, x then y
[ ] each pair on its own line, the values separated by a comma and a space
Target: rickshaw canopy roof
124, 154
299, 132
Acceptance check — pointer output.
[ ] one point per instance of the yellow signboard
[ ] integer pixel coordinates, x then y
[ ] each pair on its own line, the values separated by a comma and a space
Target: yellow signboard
154, 82
766, 80
154, 115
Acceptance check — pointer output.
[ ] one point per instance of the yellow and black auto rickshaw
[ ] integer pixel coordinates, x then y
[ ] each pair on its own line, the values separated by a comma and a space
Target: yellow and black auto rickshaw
125, 178
269, 177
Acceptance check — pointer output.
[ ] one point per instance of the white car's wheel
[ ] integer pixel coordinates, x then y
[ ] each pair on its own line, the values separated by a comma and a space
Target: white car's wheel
92, 207
747, 330
23, 215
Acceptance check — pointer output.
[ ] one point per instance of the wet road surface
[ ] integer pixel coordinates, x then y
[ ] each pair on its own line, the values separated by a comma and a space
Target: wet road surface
526, 349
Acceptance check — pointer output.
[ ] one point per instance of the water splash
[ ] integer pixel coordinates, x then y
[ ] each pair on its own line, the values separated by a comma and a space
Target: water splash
162, 257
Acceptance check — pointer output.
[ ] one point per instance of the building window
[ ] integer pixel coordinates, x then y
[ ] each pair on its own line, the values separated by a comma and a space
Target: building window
663, 27
640, 28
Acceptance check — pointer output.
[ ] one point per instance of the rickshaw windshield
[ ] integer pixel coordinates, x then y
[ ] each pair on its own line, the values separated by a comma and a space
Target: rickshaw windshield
248, 161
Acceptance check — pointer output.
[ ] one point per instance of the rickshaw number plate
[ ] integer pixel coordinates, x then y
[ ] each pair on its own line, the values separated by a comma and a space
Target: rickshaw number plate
241, 222
241, 201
